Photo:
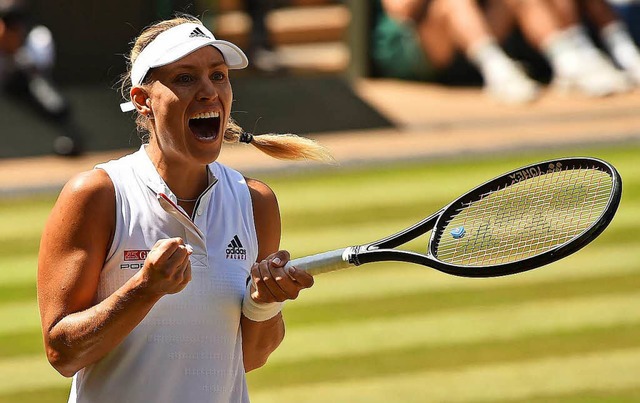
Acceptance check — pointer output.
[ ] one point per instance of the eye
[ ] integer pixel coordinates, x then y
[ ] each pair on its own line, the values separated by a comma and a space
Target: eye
218, 76
184, 78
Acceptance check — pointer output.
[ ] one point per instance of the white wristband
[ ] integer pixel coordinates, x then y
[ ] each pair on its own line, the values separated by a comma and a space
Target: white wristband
256, 311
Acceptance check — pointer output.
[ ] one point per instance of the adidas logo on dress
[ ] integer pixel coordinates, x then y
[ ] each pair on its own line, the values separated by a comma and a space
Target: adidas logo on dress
198, 32
235, 250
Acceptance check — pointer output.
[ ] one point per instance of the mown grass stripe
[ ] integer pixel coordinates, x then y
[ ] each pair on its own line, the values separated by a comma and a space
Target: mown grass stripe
592, 373
20, 246
418, 358
28, 372
59, 394
22, 221
18, 317
411, 303
18, 270
10, 293
460, 327
21, 343
618, 395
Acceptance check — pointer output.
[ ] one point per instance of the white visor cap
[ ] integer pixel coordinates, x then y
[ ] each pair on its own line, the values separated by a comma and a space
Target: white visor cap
176, 43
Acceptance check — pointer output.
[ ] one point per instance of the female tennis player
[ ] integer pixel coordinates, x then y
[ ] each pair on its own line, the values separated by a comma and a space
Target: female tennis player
148, 285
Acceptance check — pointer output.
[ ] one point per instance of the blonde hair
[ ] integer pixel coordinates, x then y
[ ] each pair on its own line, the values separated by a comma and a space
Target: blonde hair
281, 146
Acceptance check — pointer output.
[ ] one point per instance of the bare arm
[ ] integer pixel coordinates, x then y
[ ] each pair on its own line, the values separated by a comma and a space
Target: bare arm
74, 245
260, 339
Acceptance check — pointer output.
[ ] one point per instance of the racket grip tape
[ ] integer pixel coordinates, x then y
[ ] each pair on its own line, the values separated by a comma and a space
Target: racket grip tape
322, 262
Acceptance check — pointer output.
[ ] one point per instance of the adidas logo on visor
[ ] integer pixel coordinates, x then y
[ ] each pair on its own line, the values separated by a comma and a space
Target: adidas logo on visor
235, 250
198, 33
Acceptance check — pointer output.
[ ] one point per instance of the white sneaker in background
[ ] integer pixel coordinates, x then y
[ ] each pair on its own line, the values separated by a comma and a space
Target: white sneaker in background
509, 84
504, 79
594, 75
622, 48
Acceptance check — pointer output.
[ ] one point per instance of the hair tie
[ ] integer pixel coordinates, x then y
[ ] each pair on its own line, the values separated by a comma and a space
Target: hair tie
246, 137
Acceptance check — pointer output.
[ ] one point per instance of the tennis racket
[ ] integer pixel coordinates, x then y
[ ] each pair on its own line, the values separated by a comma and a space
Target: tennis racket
519, 221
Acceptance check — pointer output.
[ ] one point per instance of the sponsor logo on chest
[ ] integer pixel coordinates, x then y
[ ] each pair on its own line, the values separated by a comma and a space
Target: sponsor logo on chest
235, 250
134, 259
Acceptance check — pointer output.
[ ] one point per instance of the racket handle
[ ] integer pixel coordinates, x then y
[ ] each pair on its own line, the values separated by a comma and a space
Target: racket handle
322, 262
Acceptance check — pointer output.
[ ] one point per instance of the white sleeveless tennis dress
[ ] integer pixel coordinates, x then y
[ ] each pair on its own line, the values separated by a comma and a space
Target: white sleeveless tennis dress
188, 348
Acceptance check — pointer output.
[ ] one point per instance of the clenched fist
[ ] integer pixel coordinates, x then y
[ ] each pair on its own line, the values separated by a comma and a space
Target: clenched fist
167, 269
273, 283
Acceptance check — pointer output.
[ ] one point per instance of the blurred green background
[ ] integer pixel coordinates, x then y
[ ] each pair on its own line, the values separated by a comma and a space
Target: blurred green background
568, 332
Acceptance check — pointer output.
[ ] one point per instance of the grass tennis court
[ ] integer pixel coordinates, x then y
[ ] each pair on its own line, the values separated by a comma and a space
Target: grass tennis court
569, 332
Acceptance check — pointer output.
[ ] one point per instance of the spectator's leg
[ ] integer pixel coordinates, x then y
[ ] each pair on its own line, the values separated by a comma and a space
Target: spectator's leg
436, 35
566, 12
429, 19
500, 19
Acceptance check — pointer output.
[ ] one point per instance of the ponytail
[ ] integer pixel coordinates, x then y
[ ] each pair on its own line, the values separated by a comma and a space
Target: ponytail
280, 146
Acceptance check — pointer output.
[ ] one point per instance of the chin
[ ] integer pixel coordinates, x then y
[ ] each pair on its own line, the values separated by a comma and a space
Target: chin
206, 155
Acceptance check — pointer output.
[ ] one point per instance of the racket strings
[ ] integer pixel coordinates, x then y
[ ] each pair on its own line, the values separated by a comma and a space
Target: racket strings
525, 219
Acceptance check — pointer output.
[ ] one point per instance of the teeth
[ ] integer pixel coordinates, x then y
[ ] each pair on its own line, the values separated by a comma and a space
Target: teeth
206, 115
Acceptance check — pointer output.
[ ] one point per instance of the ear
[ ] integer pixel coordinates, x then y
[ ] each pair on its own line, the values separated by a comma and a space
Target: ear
3, 28
141, 101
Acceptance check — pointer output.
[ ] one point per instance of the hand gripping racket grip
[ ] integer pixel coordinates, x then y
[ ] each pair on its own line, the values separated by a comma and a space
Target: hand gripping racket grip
322, 262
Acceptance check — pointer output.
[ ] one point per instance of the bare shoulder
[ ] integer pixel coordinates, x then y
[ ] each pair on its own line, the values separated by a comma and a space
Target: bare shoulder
93, 183
261, 192
85, 209
259, 188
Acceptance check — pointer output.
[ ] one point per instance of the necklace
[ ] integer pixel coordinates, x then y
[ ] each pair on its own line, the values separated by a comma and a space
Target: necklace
186, 200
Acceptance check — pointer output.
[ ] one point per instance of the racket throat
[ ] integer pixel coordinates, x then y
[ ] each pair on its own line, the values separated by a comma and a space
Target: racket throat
351, 254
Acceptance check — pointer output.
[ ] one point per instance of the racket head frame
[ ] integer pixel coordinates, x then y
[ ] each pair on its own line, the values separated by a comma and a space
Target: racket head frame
380, 250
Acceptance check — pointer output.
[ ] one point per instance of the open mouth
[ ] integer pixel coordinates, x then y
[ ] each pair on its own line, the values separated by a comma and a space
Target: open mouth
205, 126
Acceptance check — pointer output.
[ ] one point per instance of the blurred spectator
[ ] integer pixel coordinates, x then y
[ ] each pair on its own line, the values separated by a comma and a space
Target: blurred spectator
446, 28
26, 62
443, 29
261, 52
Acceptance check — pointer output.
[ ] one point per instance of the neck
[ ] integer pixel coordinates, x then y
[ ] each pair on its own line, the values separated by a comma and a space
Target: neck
186, 180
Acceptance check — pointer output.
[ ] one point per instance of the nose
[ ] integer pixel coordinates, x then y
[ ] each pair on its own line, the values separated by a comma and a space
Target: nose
207, 90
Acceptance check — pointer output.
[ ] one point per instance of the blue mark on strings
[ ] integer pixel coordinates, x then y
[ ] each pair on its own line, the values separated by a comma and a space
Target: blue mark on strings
458, 232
